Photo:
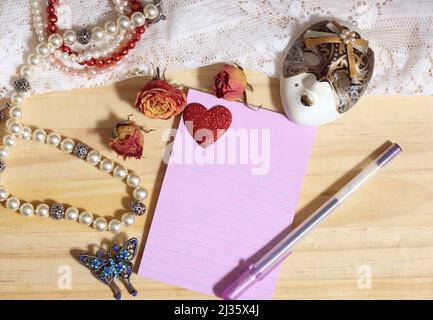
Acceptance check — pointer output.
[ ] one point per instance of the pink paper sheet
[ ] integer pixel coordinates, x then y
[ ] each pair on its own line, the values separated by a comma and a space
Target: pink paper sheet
213, 219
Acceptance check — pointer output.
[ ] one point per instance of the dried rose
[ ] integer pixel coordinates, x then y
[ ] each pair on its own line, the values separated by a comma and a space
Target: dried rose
128, 140
230, 83
160, 100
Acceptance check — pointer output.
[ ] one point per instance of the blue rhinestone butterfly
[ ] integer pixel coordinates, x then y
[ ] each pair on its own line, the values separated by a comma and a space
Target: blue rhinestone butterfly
112, 264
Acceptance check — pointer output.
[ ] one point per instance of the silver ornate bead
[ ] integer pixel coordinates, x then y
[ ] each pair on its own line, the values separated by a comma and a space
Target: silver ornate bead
137, 208
2, 166
80, 150
57, 211
22, 85
84, 36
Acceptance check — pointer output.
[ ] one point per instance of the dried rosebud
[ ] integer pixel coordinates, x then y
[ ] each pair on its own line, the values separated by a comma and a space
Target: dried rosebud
160, 100
230, 83
127, 140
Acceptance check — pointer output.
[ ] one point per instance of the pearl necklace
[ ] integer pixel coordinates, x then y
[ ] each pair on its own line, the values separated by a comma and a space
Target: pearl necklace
113, 52
80, 150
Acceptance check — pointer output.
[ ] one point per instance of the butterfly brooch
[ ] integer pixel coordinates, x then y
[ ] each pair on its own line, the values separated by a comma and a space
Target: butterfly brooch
112, 264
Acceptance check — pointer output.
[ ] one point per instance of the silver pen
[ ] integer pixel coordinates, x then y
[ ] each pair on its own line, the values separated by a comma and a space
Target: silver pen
260, 269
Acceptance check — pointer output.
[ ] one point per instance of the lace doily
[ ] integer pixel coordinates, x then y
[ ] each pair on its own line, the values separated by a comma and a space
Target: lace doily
252, 33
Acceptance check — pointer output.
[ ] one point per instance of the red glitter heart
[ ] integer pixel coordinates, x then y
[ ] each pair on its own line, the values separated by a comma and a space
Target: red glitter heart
206, 126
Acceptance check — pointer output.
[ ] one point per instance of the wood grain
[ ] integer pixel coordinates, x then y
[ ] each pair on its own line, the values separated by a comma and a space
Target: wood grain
386, 228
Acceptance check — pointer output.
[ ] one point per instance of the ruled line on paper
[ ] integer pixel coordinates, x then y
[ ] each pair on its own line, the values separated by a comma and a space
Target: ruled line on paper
210, 219
259, 187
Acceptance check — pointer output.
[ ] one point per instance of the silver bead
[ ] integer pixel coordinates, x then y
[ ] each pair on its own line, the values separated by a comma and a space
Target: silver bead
22, 84
43, 210
80, 150
115, 226
72, 214
84, 36
86, 218
57, 211
27, 209
100, 224
128, 219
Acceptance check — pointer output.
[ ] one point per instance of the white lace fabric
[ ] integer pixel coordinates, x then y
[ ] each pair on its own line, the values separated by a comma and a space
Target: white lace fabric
253, 33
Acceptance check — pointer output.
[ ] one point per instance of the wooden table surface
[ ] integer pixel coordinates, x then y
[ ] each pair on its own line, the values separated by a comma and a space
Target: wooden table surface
377, 245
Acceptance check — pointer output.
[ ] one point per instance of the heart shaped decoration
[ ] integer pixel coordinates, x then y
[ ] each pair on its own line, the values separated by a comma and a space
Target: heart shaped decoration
206, 126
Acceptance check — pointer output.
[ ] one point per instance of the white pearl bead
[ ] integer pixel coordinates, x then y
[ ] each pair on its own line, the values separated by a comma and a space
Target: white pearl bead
4, 152
13, 203
39, 135
137, 19
123, 22
43, 49
27, 209
151, 12
115, 226
128, 219
119, 9
26, 133
67, 145
16, 112
98, 33
53, 139
120, 172
100, 224
34, 4
72, 214
133, 180
43, 210
14, 127
55, 40
26, 71
9, 140
85, 218
106, 165
69, 37
110, 28
4, 194
17, 99
33, 59
139, 193
117, 2
94, 157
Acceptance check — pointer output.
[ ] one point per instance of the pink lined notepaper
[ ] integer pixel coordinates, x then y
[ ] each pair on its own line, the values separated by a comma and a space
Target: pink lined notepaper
217, 214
